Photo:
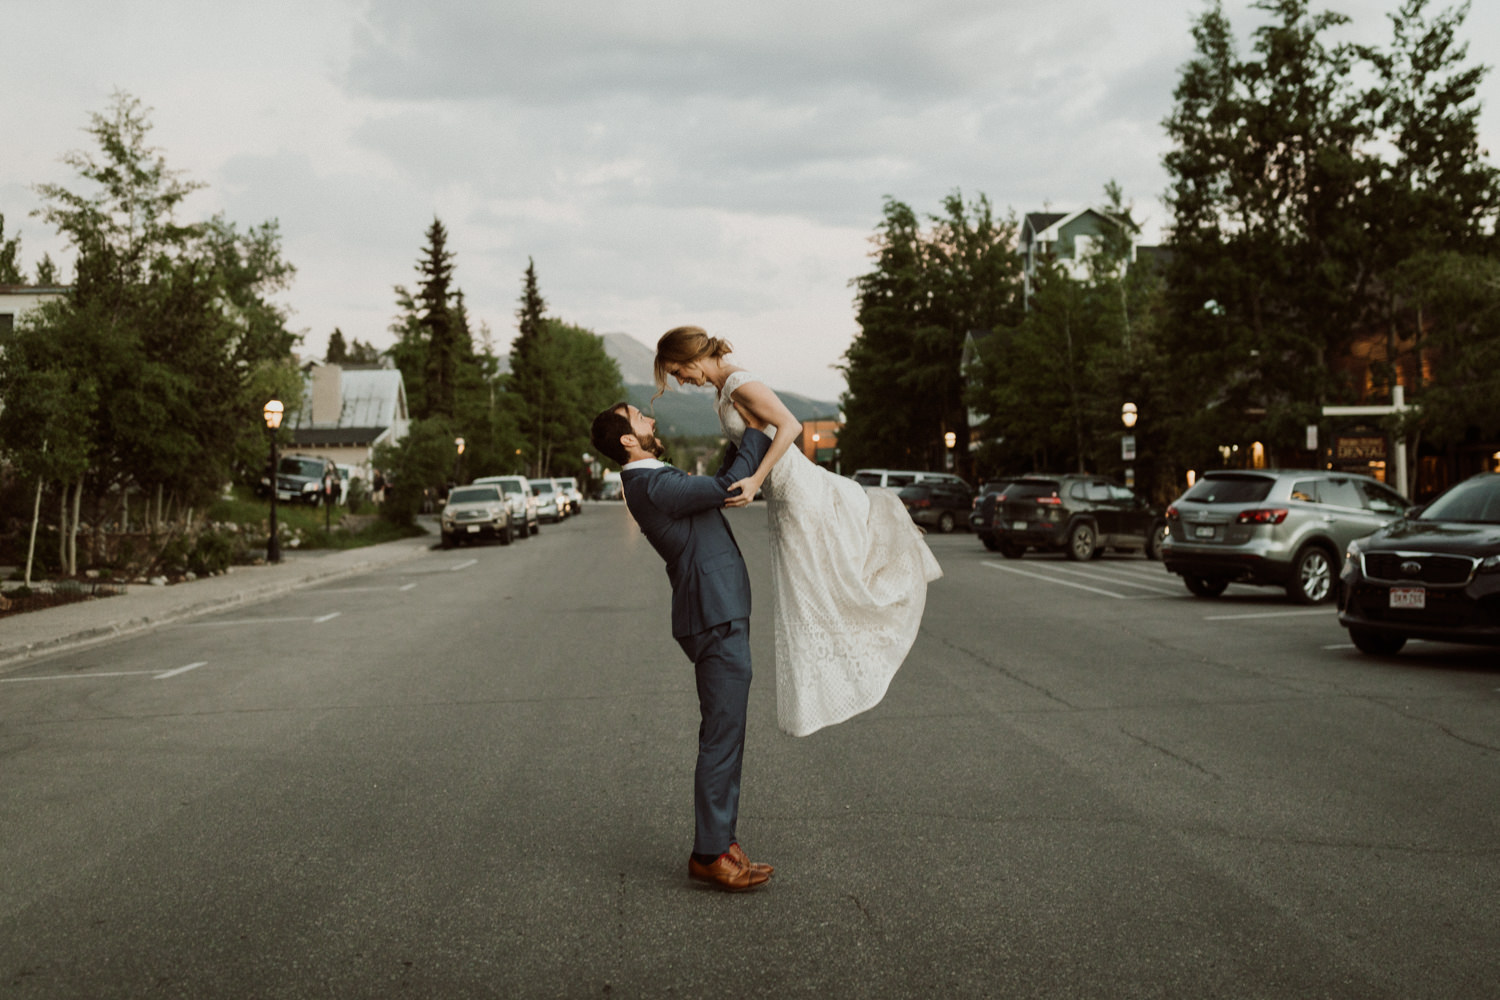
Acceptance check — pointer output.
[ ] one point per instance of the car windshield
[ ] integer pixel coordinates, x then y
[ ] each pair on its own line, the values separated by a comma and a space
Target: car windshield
541, 487
1476, 501
867, 478
474, 494
511, 486
308, 467
1230, 489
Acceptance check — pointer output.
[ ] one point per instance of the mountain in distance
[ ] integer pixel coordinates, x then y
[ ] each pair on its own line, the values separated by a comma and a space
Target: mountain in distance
686, 411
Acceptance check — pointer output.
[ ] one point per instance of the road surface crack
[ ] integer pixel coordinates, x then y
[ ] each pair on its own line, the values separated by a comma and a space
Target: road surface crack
1175, 756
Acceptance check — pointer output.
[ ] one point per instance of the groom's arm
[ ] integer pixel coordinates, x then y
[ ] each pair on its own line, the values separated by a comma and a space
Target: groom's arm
684, 495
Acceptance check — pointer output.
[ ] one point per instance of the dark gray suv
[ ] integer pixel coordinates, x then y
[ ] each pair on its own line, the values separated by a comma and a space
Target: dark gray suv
1080, 515
1273, 527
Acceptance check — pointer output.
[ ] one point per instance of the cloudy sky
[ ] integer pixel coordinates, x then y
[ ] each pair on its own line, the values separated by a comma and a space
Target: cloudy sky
662, 161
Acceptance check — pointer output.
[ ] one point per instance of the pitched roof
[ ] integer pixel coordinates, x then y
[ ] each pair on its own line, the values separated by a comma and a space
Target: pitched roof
369, 397
336, 437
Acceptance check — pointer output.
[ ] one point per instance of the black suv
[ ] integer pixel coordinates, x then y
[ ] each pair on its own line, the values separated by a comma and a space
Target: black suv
299, 478
982, 517
1079, 514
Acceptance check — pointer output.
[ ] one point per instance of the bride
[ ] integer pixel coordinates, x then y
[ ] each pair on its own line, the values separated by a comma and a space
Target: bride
848, 567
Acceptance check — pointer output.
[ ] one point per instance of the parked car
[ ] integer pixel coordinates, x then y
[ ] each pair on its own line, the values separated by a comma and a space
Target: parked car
897, 478
575, 496
1434, 574
299, 478
1079, 515
1274, 528
611, 489
519, 501
982, 515
937, 504
551, 504
474, 513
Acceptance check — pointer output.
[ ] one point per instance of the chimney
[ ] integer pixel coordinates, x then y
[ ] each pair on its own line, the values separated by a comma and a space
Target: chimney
327, 395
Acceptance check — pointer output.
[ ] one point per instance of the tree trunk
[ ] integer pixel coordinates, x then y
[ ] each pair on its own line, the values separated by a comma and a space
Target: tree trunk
62, 527
73, 528
36, 514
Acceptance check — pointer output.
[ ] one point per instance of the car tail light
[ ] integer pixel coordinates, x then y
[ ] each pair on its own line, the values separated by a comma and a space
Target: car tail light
1262, 515
1000, 498
921, 503
1054, 501
1172, 514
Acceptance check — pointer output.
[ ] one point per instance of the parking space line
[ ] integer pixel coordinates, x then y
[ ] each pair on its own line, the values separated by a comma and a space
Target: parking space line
463, 565
406, 587
1120, 581
1268, 614
1066, 583
181, 670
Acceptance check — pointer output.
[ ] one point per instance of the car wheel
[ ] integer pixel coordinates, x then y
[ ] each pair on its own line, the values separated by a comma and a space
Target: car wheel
535, 528
1011, 551
447, 540
1081, 542
989, 541
1205, 586
1376, 643
1154, 541
945, 522
1312, 576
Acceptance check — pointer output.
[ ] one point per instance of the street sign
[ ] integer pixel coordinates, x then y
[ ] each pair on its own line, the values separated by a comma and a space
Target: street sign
1127, 448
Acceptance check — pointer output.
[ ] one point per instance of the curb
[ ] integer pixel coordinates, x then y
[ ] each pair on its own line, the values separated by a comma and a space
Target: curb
130, 625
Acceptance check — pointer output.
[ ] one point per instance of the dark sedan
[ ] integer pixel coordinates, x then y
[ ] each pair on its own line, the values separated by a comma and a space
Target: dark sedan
1434, 575
938, 504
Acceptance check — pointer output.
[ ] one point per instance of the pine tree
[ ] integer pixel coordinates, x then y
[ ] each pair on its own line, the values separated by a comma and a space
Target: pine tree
436, 319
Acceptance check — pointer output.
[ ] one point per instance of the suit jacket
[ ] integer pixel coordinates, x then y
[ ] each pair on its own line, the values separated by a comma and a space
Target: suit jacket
681, 516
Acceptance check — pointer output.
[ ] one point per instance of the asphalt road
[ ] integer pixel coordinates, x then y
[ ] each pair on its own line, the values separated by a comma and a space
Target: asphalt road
471, 776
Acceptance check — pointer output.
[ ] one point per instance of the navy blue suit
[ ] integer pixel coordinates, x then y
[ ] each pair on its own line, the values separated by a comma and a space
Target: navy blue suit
682, 517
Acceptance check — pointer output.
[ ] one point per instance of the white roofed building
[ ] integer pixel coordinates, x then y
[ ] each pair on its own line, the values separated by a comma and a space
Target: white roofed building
347, 412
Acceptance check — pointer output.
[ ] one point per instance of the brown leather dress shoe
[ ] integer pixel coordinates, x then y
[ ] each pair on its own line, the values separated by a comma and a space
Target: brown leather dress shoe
738, 853
727, 874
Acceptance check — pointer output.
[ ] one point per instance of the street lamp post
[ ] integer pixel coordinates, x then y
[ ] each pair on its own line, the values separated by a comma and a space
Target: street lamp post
458, 443
950, 439
1128, 417
273, 412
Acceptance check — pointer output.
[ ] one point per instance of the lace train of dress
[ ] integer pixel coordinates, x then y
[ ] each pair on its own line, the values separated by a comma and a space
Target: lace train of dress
849, 572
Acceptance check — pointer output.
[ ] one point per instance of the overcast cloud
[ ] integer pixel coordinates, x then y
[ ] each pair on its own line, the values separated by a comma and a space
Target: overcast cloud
662, 162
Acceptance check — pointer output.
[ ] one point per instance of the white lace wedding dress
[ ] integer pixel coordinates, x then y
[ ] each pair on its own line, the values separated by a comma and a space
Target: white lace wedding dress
850, 574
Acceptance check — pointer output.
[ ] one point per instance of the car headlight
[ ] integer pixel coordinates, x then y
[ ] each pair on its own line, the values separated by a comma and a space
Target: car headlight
1352, 553
1490, 563
309, 487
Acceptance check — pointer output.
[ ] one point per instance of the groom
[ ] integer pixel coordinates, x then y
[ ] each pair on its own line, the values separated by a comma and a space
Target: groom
679, 515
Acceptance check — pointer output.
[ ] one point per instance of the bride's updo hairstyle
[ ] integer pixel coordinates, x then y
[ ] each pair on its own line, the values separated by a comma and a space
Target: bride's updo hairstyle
680, 345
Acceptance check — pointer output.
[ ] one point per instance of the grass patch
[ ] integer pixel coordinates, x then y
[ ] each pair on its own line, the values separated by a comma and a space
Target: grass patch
301, 526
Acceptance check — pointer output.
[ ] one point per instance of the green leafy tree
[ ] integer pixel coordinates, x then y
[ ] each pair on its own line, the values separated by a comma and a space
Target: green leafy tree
928, 291
170, 321
10, 257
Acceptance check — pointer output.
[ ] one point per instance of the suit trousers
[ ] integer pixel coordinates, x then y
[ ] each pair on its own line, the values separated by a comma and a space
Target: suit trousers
721, 659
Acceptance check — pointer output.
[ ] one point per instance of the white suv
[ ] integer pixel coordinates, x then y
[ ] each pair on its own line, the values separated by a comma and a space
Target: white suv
519, 500
897, 478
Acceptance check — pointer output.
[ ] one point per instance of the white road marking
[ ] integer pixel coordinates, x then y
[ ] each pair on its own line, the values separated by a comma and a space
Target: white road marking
357, 590
463, 565
259, 621
407, 587
1066, 583
331, 615
1340, 645
181, 670
74, 677
1119, 582
1270, 614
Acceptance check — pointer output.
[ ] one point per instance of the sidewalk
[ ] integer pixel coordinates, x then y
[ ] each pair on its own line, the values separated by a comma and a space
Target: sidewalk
143, 607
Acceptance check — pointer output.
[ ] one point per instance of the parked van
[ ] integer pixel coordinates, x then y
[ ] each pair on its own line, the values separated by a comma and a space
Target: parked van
897, 478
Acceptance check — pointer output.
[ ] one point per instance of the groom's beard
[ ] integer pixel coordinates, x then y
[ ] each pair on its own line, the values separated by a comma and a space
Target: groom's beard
650, 445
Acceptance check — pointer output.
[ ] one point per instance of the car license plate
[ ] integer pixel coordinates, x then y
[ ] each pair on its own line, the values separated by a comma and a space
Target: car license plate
1409, 597
1204, 531
1018, 526
473, 529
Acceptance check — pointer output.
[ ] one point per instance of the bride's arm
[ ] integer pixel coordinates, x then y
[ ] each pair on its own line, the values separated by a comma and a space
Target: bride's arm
760, 407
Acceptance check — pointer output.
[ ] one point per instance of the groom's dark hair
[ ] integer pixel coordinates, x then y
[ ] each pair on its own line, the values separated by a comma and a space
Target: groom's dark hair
609, 427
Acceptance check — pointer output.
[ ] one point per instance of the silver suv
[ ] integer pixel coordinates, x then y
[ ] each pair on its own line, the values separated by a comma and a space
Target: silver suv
519, 500
1280, 528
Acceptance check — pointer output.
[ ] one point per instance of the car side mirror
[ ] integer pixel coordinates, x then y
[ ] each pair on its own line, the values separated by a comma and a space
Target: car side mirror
1414, 512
